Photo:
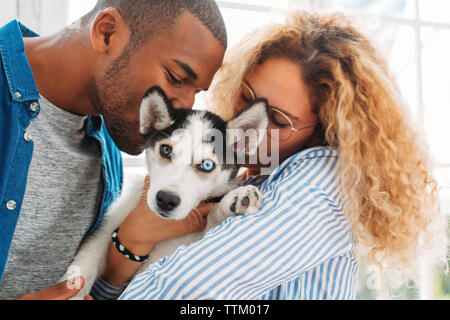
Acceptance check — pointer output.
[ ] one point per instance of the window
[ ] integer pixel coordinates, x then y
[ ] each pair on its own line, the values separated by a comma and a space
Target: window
42, 16
413, 34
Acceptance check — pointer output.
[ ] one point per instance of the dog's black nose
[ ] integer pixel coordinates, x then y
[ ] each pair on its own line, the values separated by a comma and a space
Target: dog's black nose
167, 201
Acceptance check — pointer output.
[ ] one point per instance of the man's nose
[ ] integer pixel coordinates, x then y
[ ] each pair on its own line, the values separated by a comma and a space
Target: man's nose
185, 101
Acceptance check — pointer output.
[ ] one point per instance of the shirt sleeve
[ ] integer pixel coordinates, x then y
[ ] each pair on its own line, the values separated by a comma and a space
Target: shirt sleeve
299, 226
102, 290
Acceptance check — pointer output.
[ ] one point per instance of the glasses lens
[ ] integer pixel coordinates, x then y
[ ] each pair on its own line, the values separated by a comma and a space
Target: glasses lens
280, 125
279, 119
247, 93
278, 134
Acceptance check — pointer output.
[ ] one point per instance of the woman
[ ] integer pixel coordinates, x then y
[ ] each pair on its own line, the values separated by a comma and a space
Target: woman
360, 113
353, 173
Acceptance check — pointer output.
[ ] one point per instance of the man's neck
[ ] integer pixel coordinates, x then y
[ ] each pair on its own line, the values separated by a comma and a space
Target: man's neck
61, 71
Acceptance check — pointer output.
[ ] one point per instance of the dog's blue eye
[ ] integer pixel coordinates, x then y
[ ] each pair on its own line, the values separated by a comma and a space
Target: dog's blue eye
207, 166
165, 151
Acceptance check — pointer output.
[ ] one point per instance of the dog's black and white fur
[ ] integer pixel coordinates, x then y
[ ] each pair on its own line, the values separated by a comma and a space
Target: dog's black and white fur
182, 157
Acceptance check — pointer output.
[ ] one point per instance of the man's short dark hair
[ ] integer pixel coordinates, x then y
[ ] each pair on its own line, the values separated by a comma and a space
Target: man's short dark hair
145, 18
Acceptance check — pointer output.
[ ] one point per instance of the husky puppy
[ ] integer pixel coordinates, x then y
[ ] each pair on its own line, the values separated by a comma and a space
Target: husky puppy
191, 156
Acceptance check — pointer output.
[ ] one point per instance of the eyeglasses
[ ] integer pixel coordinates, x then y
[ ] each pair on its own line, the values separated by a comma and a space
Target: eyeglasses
280, 122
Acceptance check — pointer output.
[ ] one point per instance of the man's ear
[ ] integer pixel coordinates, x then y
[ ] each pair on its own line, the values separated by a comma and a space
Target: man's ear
248, 128
109, 32
156, 111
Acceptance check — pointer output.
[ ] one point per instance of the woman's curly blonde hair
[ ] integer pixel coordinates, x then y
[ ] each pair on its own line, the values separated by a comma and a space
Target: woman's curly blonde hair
393, 203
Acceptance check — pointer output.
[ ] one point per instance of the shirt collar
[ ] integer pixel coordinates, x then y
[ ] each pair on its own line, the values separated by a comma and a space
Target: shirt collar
94, 125
18, 71
15, 63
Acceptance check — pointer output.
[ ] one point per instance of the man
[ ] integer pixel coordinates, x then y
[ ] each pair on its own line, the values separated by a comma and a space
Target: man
68, 102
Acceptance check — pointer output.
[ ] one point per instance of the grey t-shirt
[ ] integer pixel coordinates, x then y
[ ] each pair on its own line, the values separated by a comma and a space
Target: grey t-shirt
62, 199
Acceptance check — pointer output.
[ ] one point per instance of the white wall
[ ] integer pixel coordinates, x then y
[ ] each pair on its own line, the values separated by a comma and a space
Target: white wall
7, 11
42, 16
54, 15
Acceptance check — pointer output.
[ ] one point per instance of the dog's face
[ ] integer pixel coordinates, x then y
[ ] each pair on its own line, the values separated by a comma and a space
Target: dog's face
192, 155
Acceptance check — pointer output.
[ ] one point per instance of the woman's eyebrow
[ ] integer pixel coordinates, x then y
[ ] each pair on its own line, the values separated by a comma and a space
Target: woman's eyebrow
187, 68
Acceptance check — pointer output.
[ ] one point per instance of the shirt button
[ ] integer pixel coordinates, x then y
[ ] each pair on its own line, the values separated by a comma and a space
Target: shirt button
18, 94
11, 205
27, 136
34, 106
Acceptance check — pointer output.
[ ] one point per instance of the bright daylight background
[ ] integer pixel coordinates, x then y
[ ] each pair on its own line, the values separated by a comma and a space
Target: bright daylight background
414, 35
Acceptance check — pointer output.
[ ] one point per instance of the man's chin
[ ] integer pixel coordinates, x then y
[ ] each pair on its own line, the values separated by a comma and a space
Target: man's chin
124, 135
131, 150
127, 146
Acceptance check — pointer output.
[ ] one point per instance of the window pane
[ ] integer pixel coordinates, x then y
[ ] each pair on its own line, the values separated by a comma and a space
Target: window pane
8, 11
133, 164
78, 8
442, 176
402, 60
265, 3
240, 22
130, 171
400, 8
436, 87
435, 10
398, 44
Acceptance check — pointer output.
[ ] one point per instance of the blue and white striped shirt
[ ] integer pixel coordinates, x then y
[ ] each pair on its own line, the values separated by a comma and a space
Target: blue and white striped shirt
299, 245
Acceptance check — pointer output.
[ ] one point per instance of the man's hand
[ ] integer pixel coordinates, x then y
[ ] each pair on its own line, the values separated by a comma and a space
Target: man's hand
62, 291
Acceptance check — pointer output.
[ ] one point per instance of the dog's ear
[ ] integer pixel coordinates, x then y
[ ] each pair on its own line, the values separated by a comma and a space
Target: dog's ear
156, 111
247, 129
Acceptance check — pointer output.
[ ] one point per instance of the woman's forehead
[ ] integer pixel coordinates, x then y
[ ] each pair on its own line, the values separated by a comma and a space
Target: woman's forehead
280, 82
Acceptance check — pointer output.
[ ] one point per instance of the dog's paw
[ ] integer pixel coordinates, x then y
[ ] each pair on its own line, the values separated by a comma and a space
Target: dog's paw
242, 201
73, 281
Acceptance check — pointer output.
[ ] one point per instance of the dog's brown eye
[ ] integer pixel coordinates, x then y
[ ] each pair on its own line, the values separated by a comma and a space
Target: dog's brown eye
166, 151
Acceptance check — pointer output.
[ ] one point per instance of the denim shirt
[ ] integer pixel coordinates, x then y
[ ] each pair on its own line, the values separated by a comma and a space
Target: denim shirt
18, 107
